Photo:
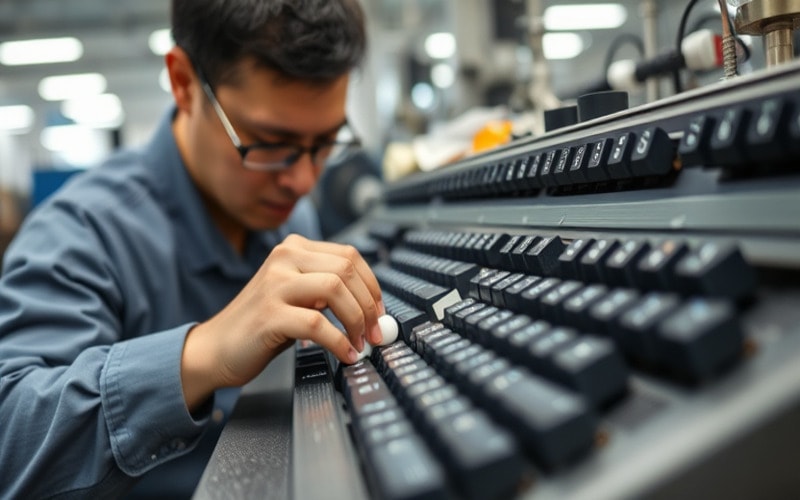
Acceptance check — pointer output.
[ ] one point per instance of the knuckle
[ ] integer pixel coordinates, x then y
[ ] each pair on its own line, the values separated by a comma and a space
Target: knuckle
314, 322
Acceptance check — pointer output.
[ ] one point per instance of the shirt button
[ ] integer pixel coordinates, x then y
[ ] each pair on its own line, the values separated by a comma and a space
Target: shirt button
179, 444
217, 415
153, 456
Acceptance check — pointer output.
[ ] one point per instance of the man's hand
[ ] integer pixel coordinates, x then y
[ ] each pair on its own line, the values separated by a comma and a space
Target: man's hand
282, 303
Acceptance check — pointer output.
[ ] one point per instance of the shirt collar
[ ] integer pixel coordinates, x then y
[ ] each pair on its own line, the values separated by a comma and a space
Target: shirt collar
206, 246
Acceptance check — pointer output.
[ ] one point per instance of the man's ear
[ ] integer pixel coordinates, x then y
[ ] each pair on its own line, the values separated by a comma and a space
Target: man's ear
182, 78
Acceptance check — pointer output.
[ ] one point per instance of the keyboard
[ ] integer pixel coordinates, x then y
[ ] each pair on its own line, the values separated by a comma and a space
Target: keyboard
610, 310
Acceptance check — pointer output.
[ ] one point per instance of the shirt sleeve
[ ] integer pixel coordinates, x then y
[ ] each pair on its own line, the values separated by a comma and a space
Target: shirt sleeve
82, 409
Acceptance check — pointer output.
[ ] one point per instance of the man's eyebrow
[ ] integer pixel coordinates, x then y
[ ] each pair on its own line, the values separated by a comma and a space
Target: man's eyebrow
293, 134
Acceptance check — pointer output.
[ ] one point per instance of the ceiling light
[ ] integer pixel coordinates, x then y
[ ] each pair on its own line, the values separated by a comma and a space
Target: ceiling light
16, 119
160, 41
562, 45
42, 51
423, 96
101, 111
76, 145
60, 88
440, 45
585, 16
443, 76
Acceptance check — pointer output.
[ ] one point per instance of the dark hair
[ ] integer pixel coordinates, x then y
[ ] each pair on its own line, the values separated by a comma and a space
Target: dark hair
310, 40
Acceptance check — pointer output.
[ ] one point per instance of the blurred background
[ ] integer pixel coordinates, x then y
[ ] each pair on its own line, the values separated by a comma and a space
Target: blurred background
80, 78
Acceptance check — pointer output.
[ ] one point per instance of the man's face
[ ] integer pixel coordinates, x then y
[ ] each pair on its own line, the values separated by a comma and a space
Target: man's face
262, 108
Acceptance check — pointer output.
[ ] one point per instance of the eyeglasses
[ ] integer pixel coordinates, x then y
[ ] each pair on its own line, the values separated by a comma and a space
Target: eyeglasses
276, 156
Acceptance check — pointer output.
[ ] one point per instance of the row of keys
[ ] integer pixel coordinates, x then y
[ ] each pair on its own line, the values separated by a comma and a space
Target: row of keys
553, 425
709, 269
702, 336
763, 133
627, 155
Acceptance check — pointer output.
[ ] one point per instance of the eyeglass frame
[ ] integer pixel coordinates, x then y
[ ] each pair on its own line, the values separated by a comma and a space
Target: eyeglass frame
290, 160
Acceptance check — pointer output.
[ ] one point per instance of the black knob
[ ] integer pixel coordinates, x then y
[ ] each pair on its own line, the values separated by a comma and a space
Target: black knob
599, 104
560, 117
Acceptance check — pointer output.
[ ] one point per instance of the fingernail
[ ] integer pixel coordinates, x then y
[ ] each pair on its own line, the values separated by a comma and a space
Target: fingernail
352, 355
361, 342
375, 335
382, 308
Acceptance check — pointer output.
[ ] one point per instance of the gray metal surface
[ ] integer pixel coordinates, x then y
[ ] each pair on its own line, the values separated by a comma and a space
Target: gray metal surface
252, 457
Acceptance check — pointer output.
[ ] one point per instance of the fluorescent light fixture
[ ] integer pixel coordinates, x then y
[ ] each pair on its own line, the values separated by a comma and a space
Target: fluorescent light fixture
423, 96
61, 88
440, 45
443, 76
41, 51
101, 111
562, 45
76, 145
585, 16
16, 119
160, 41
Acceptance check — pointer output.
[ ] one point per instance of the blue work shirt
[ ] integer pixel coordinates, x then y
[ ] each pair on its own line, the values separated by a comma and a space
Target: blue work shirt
97, 293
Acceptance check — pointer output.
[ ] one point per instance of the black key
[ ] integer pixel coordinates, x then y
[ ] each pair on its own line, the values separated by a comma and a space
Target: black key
498, 298
474, 283
517, 255
656, 270
450, 312
561, 170
460, 316
419, 335
520, 180
499, 335
767, 131
369, 396
552, 304
483, 458
472, 321
653, 153
407, 319
594, 368
404, 469
700, 339
458, 276
716, 270
530, 298
794, 130
512, 295
621, 265
578, 169
542, 258
542, 347
486, 284
597, 170
694, 146
571, 256
554, 425
384, 426
505, 252
637, 326
604, 313
493, 247
532, 180
489, 323
576, 307
727, 143
546, 173
592, 264
618, 165
518, 342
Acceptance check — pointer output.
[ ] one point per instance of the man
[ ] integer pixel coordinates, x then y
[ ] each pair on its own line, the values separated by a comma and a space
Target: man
136, 300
